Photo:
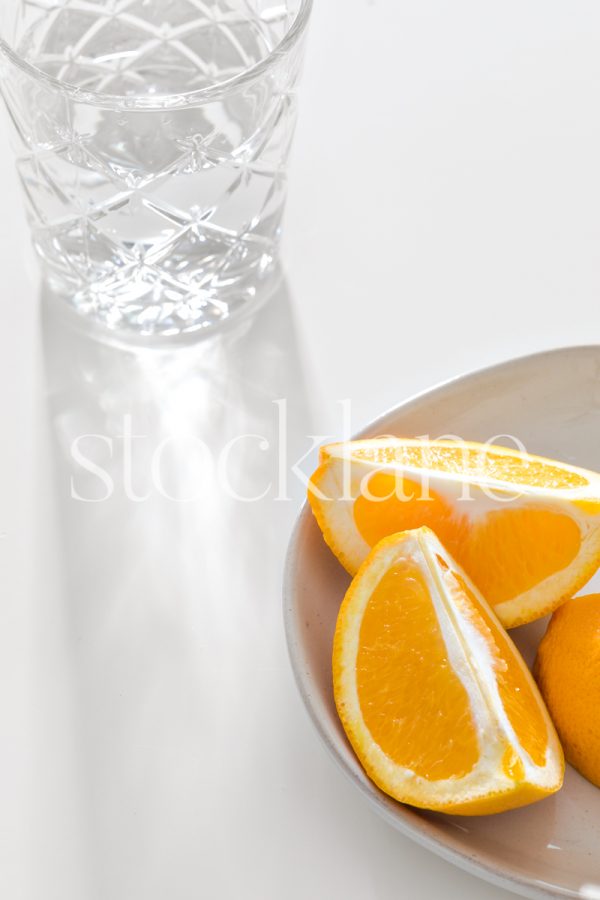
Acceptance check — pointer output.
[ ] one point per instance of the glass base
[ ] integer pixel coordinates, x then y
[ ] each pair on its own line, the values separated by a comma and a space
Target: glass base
149, 306
165, 321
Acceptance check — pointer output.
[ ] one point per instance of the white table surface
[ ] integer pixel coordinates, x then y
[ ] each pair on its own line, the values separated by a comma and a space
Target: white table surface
444, 214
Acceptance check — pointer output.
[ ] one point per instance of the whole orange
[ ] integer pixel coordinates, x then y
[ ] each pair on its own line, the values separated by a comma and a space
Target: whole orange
567, 670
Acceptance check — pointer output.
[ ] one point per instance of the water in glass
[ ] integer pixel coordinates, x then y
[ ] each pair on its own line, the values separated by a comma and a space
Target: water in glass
155, 191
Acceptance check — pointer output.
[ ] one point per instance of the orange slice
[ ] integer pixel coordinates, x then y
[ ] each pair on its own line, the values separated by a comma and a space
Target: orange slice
436, 701
567, 670
526, 529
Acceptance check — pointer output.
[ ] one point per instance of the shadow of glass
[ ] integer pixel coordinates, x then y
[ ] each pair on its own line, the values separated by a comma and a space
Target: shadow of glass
171, 477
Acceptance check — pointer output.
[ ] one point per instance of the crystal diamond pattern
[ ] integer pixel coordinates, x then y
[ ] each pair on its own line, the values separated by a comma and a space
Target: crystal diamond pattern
165, 217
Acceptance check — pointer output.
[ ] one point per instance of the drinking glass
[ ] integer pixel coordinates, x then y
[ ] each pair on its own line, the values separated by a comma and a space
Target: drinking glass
152, 139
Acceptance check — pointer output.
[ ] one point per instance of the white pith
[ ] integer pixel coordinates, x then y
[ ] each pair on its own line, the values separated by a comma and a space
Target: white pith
471, 659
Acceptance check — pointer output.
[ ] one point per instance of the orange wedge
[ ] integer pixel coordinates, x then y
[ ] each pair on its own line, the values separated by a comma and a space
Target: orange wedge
436, 701
525, 529
567, 669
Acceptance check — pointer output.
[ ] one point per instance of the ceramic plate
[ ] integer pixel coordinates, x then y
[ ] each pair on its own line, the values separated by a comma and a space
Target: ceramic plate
551, 402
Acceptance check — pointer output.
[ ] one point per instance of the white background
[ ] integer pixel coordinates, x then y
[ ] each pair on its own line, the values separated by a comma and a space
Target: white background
444, 214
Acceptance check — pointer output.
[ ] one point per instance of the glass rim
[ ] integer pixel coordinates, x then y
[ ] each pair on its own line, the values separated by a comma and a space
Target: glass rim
133, 102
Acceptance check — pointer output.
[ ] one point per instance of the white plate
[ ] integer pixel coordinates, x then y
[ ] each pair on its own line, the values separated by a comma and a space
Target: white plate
550, 402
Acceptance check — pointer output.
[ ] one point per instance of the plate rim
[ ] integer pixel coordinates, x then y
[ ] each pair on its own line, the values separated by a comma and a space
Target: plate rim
478, 863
